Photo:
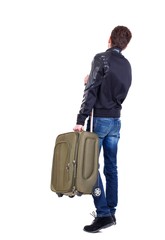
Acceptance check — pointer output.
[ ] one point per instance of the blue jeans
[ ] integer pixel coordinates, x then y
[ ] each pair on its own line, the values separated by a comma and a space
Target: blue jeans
108, 131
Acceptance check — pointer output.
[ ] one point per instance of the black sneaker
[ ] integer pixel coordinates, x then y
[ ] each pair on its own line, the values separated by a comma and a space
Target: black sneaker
99, 223
114, 219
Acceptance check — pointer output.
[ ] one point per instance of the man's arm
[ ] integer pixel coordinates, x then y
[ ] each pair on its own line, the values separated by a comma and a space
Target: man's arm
90, 93
80, 128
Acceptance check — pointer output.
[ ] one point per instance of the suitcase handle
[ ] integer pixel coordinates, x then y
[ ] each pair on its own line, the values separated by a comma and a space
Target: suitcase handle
91, 121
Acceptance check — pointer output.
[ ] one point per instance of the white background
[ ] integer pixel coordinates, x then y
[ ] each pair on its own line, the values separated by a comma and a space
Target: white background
46, 49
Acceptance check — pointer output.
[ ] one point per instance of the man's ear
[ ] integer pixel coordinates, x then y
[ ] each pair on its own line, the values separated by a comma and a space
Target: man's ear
109, 43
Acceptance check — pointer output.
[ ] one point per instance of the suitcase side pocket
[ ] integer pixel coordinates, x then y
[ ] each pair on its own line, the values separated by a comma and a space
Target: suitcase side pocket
87, 163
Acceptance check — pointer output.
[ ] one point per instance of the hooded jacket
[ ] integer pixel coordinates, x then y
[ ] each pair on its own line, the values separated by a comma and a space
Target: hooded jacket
107, 87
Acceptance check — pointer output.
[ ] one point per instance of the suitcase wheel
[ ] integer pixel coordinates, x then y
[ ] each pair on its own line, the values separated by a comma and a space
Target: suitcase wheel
96, 192
71, 196
78, 193
59, 194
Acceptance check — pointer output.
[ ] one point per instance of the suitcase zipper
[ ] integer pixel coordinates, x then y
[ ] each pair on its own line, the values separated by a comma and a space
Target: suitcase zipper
75, 165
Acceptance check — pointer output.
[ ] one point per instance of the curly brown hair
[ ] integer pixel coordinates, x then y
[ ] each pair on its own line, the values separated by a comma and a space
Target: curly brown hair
120, 37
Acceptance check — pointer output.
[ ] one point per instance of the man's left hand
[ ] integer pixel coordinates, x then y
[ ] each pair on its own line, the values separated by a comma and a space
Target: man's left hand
78, 128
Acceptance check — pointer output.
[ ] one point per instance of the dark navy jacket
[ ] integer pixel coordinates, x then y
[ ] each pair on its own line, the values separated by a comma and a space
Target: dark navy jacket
109, 81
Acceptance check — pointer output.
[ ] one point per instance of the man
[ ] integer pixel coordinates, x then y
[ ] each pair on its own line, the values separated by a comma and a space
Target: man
106, 88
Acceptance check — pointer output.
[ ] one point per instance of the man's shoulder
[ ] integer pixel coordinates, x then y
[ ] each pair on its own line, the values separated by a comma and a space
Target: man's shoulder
101, 56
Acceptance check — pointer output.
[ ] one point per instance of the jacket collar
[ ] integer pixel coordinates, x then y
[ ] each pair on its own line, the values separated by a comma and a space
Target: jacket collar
114, 49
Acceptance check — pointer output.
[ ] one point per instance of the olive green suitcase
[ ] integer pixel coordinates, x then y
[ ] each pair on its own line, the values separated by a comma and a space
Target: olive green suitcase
75, 163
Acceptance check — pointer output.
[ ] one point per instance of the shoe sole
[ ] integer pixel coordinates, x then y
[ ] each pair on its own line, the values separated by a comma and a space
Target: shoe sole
106, 226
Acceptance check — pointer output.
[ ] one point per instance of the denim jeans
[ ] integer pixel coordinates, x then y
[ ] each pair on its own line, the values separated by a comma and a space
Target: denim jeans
108, 131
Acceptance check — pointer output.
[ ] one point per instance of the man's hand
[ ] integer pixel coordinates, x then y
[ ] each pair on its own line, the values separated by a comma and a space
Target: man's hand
78, 128
86, 79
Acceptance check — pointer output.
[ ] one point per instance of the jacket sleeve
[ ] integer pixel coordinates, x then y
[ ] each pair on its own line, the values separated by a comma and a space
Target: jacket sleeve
91, 89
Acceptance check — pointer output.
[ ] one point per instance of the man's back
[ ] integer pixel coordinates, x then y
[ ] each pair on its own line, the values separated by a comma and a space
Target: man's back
116, 81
